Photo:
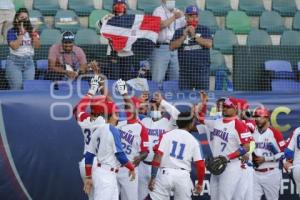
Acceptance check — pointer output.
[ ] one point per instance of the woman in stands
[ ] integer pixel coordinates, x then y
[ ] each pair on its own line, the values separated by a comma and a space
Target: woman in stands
22, 39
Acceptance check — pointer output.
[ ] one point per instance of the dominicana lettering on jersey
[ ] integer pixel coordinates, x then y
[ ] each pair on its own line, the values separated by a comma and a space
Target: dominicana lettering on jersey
221, 134
127, 136
156, 132
262, 145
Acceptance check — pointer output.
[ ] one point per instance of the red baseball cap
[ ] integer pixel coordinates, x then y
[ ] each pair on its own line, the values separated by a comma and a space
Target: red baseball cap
231, 102
261, 112
243, 104
100, 105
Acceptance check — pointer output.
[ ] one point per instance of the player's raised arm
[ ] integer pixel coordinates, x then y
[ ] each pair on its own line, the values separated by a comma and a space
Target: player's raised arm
168, 107
79, 110
201, 108
130, 108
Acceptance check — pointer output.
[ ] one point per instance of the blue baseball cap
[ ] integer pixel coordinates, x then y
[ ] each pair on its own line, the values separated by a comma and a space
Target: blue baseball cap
191, 10
119, 1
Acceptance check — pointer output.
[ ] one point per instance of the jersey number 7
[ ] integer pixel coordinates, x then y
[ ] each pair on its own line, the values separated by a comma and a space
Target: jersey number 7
181, 150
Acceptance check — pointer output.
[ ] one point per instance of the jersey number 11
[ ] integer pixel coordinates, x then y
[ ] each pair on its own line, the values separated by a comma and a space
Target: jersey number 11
181, 150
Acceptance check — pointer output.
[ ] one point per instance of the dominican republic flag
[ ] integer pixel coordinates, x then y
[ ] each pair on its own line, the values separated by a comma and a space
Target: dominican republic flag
123, 31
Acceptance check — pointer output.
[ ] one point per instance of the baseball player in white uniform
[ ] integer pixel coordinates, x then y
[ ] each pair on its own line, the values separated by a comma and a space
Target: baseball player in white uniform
246, 183
107, 147
134, 139
231, 138
171, 165
292, 155
269, 147
157, 124
87, 121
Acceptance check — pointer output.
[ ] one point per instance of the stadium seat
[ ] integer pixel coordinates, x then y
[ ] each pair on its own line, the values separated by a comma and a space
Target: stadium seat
282, 76
252, 8
36, 85
278, 66
135, 12
238, 22
47, 8
95, 16
272, 22
66, 20
50, 36
224, 41
41, 69
298, 66
37, 20
42, 64
81, 7
291, 38
217, 62
208, 19
218, 7
107, 4
182, 4
258, 37
19, 4
286, 8
3, 64
281, 69
296, 21
148, 6
86, 36
170, 86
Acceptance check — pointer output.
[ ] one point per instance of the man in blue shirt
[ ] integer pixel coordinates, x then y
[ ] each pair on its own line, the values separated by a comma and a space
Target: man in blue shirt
193, 43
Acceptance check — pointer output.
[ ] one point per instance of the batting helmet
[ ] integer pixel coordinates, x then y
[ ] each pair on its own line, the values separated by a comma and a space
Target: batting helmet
100, 105
261, 112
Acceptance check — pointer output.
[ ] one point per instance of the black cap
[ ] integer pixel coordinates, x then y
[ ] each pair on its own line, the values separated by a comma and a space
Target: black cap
68, 37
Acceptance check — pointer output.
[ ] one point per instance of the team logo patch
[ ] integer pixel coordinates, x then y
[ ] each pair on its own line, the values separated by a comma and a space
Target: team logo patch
282, 143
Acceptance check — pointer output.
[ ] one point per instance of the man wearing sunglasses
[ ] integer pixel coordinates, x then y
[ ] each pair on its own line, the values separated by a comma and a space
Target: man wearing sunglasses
66, 59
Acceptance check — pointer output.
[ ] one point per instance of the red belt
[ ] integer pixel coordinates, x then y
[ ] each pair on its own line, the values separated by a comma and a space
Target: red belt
264, 169
116, 170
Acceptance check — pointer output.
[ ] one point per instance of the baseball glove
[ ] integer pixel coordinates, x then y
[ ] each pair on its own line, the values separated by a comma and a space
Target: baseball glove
216, 165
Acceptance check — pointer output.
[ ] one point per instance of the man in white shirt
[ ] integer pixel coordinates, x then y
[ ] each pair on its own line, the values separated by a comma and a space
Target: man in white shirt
7, 13
162, 57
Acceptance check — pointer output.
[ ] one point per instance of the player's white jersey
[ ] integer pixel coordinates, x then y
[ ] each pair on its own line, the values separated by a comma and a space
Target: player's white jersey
105, 143
155, 130
226, 135
268, 143
134, 139
84, 120
294, 145
87, 127
179, 149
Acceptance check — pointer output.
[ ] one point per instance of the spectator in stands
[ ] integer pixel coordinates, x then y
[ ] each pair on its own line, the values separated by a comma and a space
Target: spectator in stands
163, 59
66, 60
22, 39
120, 63
7, 13
193, 42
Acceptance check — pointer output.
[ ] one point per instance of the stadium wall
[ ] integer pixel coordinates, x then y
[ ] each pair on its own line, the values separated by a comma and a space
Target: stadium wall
41, 144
